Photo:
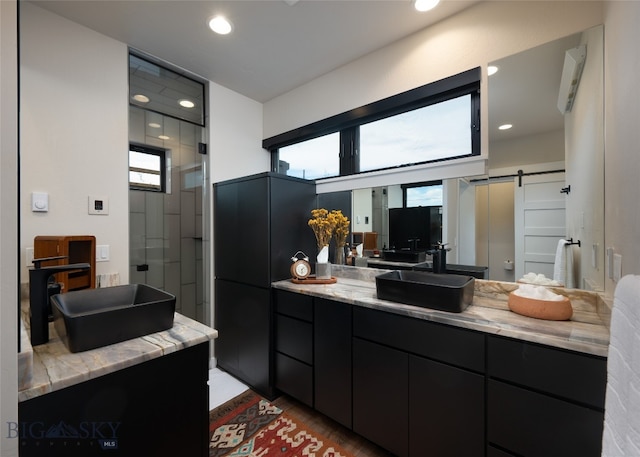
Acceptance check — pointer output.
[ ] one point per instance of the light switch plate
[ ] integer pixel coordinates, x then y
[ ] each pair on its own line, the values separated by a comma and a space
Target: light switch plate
98, 205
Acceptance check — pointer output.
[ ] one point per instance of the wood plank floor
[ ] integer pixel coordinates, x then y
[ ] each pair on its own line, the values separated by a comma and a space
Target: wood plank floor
350, 441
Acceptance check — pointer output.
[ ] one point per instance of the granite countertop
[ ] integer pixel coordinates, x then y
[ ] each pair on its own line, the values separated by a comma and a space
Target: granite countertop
586, 332
51, 366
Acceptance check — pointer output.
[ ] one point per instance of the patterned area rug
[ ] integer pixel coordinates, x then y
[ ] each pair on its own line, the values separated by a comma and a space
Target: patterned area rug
250, 426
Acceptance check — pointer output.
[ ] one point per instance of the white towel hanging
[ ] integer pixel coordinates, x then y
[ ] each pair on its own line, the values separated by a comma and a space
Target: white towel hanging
621, 436
560, 264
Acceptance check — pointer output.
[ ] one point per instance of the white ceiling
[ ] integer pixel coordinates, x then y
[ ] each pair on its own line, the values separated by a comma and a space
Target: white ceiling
275, 47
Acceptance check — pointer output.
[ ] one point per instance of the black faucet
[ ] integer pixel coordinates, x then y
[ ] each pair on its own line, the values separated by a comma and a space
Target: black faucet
39, 296
439, 257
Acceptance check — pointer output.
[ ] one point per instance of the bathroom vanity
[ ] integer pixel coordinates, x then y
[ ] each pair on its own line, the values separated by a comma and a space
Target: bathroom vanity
144, 396
417, 381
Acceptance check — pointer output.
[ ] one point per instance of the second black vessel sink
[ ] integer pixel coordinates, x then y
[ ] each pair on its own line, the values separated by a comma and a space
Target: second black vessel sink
444, 292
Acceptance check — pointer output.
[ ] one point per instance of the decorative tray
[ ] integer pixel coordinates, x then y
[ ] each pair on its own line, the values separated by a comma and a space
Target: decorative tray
313, 280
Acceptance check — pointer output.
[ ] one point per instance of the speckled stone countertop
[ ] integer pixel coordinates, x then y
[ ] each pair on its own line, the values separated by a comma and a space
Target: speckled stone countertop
53, 367
586, 332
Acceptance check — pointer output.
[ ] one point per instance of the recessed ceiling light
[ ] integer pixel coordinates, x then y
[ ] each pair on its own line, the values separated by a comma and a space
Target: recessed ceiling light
505, 127
154, 125
220, 25
492, 70
164, 137
425, 5
186, 103
141, 98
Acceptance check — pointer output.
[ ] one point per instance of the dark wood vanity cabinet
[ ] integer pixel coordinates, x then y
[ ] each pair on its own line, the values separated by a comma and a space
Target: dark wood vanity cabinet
156, 408
418, 386
544, 401
313, 353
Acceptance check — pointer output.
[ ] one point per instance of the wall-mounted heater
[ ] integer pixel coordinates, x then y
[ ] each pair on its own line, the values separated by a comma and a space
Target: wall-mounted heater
573, 64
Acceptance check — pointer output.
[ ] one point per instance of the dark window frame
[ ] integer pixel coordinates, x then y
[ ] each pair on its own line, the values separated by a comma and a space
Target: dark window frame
404, 188
162, 153
347, 123
176, 71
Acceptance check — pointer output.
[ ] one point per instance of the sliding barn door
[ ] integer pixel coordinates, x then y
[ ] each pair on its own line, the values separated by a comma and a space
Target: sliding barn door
540, 223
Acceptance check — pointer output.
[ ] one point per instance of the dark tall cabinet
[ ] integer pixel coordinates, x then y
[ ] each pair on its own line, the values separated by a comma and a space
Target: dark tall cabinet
260, 221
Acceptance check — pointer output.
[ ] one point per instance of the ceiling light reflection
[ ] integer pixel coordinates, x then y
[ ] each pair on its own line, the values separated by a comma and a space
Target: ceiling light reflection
141, 98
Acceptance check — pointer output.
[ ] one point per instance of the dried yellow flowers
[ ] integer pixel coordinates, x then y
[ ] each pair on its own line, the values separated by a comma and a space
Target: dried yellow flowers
325, 224
341, 229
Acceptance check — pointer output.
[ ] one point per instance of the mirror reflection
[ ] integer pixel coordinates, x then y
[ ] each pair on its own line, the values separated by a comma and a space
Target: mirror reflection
512, 220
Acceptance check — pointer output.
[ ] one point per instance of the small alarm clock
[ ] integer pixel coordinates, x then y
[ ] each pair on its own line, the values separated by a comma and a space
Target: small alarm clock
300, 268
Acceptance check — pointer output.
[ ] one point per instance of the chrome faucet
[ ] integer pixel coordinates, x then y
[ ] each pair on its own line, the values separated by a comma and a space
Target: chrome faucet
439, 257
39, 296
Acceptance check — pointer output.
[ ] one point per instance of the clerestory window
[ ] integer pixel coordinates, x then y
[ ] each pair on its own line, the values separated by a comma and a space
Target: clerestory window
436, 122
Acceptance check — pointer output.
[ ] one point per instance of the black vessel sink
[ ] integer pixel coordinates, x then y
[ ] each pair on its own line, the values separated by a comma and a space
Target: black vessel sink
402, 255
452, 268
444, 292
92, 318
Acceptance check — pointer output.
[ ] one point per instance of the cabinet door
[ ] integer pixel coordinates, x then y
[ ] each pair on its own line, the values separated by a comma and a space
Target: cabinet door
332, 359
241, 234
292, 200
243, 323
532, 424
380, 395
446, 410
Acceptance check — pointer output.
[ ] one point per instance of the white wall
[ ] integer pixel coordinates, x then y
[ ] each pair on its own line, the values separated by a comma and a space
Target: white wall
540, 148
235, 141
622, 135
9, 225
235, 148
584, 160
74, 133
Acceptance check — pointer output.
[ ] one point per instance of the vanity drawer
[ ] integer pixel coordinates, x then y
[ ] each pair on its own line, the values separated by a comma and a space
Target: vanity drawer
294, 338
578, 377
294, 305
294, 378
455, 346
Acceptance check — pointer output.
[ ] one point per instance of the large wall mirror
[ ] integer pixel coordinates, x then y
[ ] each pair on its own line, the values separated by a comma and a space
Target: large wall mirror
512, 219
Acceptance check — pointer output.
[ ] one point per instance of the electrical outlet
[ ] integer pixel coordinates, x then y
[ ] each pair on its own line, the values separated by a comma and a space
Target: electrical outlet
102, 253
617, 267
610, 263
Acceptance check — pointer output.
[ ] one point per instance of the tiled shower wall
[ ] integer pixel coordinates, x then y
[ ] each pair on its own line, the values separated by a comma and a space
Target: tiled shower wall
166, 230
